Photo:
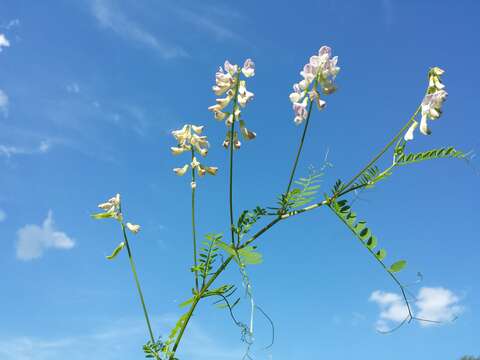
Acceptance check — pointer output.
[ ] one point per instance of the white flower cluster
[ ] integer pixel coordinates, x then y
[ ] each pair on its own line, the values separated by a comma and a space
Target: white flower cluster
318, 77
113, 209
431, 107
227, 81
189, 138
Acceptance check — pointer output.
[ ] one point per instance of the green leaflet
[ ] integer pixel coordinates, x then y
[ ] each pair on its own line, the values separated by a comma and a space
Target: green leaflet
208, 254
152, 349
381, 254
248, 255
116, 251
447, 152
398, 266
247, 219
302, 195
363, 233
103, 215
186, 302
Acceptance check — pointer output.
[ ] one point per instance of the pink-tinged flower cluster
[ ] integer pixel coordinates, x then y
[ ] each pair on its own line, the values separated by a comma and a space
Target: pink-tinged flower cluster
431, 107
318, 78
229, 84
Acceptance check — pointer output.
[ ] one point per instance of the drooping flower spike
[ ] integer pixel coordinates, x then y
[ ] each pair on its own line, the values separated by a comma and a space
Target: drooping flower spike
318, 78
228, 83
431, 107
189, 139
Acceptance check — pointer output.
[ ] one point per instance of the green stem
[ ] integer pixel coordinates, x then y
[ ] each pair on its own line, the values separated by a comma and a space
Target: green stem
184, 326
139, 289
235, 104
292, 174
379, 155
195, 303
194, 234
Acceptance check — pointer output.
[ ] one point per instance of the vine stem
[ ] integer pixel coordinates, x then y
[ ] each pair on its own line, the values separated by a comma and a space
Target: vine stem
194, 233
139, 289
379, 155
300, 147
232, 131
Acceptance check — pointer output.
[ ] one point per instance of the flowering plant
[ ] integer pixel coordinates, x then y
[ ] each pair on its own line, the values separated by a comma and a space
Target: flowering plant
238, 249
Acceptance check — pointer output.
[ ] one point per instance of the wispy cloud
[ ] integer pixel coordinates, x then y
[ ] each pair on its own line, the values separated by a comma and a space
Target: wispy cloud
208, 23
8, 150
73, 88
114, 19
3, 215
120, 339
11, 24
34, 240
436, 305
3, 102
4, 42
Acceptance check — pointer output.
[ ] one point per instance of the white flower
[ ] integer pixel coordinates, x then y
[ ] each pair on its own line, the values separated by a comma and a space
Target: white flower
244, 95
431, 109
187, 137
219, 115
248, 68
111, 209
197, 129
212, 170
181, 171
133, 227
247, 134
194, 163
236, 143
300, 110
178, 150
320, 71
231, 69
409, 134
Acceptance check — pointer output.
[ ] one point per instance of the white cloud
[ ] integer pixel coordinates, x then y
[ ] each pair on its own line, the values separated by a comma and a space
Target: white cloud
438, 304
3, 215
8, 151
33, 240
392, 308
3, 41
3, 101
432, 304
120, 339
73, 88
111, 18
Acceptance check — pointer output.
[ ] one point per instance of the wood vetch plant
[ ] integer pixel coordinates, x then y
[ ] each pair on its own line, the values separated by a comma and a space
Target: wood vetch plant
216, 252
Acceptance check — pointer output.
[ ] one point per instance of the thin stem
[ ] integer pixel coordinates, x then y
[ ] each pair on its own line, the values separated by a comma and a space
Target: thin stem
292, 174
137, 283
374, 160
232, 131
195, 303
194, 234
231, 181
184, 326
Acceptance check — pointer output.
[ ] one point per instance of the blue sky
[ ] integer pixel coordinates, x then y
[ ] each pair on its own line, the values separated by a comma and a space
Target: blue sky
89, 92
